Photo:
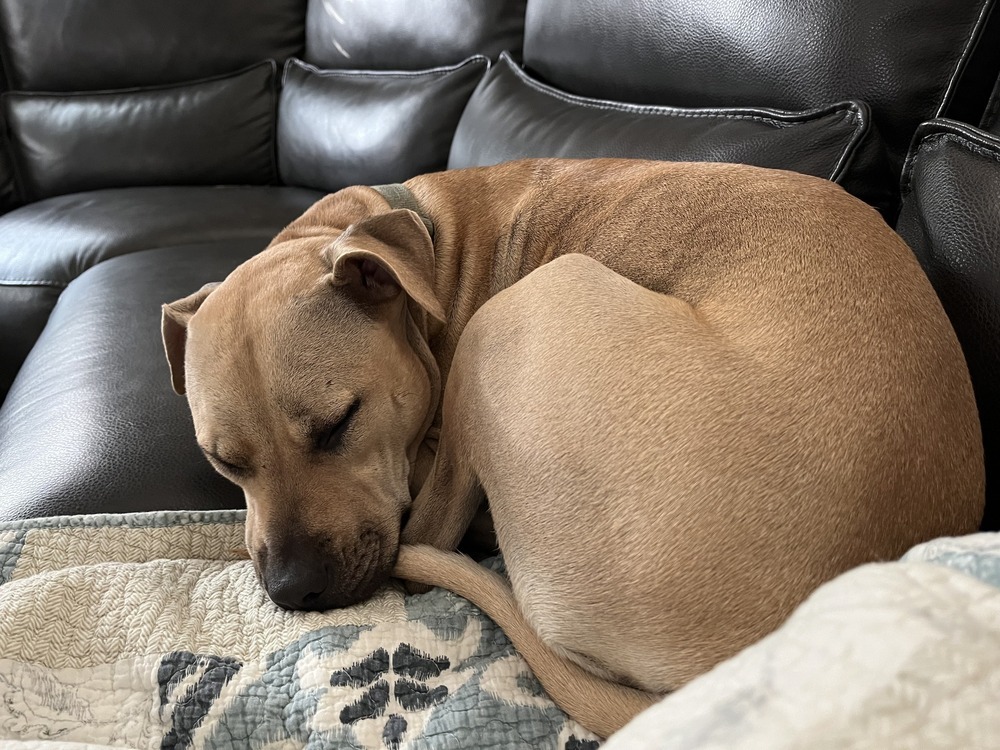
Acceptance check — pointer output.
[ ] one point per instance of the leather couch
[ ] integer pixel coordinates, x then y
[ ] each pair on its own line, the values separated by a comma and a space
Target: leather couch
150, 147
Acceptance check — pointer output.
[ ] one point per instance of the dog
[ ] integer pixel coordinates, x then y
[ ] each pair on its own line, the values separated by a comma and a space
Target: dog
690, 393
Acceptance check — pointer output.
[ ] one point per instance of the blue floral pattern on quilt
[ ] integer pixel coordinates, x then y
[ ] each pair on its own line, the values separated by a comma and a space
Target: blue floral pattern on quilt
173, 645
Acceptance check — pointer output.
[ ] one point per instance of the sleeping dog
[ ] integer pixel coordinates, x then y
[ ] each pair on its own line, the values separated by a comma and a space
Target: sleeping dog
690, 392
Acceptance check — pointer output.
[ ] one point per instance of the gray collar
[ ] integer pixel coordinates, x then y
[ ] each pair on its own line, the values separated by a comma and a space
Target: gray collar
399, 196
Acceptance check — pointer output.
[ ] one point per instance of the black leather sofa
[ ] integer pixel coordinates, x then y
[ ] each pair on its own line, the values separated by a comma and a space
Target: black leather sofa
150, 147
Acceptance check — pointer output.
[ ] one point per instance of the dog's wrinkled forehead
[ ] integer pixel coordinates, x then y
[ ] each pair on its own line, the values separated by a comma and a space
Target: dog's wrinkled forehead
276, 315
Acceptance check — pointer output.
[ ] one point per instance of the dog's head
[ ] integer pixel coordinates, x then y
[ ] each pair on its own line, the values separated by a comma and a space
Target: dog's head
308, 390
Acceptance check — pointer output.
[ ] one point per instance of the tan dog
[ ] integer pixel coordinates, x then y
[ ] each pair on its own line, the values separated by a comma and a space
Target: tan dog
742, 387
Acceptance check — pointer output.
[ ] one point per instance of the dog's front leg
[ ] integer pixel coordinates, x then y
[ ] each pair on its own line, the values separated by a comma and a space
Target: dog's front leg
446, 504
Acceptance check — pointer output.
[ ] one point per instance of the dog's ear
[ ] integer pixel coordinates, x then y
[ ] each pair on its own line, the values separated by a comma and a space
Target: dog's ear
174, 327
380, 256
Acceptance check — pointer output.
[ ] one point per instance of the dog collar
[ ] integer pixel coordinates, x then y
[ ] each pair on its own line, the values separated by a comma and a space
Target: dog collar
399, 196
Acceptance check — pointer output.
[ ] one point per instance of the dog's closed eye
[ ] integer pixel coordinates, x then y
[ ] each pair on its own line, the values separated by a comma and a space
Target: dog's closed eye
328, 437
235, 469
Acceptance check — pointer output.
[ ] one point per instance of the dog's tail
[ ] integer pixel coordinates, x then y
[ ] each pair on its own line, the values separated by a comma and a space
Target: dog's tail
601, 706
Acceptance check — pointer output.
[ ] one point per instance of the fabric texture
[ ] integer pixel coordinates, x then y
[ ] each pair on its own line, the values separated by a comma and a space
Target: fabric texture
164, 639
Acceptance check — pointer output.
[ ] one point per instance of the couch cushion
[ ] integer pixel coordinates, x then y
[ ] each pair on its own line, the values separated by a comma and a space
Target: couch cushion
9, 194
951, 219
512, 116
46, 245
213, 131
411, 35
91, 424
24, 308
902, 57
991, 117
338, 128
79, 45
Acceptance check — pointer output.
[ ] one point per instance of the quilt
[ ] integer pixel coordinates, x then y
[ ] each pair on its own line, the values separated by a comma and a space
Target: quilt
149, 631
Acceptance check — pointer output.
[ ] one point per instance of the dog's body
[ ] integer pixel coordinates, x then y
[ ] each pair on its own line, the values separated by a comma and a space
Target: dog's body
746, 387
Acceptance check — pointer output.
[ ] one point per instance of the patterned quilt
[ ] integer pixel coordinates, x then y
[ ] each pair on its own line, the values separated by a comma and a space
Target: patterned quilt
149, 631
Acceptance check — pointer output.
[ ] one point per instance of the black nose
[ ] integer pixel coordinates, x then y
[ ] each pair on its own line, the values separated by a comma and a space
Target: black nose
298, 579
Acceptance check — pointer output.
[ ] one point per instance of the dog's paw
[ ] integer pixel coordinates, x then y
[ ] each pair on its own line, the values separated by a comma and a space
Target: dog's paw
412, 587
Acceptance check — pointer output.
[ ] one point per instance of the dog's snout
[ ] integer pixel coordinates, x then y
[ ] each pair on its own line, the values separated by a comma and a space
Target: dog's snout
299, 579
314, 573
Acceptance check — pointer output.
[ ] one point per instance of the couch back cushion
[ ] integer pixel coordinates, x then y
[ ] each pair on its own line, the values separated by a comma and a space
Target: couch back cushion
903, 57
514, 116
990, 120
217, 130
103, 136
87, 45
410, 35
950, 219
346, 127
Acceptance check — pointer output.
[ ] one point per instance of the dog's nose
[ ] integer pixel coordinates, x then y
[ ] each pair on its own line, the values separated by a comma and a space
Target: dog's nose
298, 581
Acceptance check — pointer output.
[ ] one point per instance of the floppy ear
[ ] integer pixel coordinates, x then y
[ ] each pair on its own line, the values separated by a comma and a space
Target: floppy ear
174, 327
378, 257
